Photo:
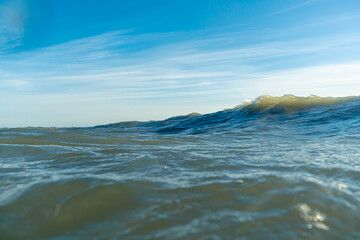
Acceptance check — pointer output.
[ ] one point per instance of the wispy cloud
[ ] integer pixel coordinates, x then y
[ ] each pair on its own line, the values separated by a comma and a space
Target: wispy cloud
100, 72
11, 24
102, 63
292, 8
323, 80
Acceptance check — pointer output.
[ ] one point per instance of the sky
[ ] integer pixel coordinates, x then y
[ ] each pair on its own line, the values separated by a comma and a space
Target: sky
66, 63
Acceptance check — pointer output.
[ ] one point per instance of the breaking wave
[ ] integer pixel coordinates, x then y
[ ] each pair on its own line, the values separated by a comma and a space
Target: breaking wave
289, 108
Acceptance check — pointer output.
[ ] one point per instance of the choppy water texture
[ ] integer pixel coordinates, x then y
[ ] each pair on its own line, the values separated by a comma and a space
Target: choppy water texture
274, 168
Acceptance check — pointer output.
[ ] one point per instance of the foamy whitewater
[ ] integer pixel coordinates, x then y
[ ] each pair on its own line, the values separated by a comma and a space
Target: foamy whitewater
273, 168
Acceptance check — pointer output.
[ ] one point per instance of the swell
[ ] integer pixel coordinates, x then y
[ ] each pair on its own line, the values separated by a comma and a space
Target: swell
269, 110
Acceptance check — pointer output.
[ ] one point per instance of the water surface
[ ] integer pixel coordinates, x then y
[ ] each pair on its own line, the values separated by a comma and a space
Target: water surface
274, 168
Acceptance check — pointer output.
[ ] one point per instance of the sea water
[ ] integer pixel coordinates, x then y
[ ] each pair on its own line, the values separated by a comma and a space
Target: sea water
273, 168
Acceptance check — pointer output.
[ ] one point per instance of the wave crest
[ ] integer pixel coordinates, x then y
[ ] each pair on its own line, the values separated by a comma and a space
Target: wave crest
291, 104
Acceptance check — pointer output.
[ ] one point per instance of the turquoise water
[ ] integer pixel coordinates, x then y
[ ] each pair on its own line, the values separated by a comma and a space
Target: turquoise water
274, 168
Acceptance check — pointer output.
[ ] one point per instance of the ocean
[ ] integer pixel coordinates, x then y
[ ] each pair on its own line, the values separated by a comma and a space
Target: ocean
273, 168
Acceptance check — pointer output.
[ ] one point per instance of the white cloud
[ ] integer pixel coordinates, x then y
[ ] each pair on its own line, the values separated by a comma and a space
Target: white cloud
325, 80
97, 80
292, 8
12, 17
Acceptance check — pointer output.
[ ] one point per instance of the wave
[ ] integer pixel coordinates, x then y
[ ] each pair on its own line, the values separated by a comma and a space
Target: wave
272, 110
275, 110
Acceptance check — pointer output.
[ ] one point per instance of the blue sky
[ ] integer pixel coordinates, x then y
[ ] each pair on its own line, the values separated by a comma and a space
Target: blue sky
83, 63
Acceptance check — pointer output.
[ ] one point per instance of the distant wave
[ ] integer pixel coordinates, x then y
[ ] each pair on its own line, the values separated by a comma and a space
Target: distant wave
277, 110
